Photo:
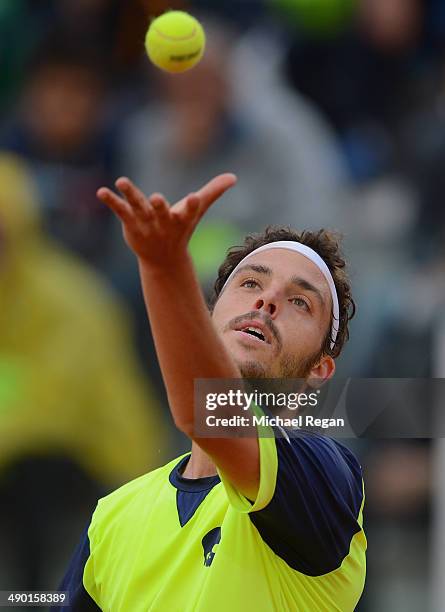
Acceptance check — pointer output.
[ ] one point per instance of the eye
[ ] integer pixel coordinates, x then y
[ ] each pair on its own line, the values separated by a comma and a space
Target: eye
300, 303
250, 283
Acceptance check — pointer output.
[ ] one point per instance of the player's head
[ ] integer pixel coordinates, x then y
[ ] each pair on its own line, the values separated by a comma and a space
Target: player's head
291, 297
62, 97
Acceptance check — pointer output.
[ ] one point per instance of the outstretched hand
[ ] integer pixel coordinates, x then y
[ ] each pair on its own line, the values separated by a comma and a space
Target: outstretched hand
156, 232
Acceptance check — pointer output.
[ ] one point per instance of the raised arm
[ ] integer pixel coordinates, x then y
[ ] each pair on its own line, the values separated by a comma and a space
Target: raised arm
187, 344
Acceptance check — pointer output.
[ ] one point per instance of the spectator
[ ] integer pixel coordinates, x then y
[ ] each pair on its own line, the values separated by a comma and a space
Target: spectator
60, 130
76, 415
366, 79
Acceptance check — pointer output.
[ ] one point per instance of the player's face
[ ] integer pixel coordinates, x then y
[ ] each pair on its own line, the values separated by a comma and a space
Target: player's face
285, 298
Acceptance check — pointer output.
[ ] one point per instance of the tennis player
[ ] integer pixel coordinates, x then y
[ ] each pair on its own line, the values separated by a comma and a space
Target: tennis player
240, 523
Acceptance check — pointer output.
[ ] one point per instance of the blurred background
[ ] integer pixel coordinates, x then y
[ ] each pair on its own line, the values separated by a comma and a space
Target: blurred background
332, 113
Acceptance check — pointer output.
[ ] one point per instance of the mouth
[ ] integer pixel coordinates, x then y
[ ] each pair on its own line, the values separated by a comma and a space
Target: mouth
254, 330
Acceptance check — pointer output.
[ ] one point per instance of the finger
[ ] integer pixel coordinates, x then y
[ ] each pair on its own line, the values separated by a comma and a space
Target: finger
210, 192
190, 209
160, 207
214, 189
133, 195
117, 204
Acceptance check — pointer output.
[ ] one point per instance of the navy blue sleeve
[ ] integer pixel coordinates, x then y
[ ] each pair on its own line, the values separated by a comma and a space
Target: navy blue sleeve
312, 516
79, 598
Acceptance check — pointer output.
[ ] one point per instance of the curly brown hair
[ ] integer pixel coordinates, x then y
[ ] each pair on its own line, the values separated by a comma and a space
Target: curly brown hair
324, 242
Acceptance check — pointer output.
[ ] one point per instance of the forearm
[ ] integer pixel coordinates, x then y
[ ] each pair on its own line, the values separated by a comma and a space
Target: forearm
186, 341
187, 344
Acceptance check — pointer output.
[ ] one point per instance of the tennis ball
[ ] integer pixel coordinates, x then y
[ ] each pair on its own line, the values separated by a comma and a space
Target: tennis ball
175, 41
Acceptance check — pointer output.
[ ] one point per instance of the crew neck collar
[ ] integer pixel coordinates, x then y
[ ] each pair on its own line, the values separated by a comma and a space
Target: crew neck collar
190, 484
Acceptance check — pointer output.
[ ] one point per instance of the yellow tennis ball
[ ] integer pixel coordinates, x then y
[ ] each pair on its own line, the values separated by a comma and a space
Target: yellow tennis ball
175, 41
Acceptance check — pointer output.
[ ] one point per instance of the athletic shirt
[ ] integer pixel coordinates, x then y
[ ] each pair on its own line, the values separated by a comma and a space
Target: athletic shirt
166, 543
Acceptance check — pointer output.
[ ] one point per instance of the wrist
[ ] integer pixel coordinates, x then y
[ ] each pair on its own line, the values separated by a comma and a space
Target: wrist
181, 263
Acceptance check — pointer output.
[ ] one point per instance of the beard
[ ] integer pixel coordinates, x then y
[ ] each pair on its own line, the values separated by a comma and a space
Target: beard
289, 367
252, 369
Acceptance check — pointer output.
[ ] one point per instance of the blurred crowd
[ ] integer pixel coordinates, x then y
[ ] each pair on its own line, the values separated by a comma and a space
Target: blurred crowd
331, 113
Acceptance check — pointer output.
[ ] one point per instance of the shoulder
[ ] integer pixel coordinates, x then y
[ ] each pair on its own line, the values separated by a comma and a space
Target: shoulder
318, 454
316, 506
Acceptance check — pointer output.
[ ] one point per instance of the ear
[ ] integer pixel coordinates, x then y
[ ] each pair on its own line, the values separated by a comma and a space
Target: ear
322, 371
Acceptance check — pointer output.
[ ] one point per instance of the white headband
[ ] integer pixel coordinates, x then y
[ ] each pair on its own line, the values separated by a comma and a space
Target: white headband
316, 259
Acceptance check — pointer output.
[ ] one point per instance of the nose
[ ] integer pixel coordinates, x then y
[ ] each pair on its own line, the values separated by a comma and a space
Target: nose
267, 304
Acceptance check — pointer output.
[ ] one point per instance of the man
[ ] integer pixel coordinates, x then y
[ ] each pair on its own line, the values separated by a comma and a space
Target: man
241, 523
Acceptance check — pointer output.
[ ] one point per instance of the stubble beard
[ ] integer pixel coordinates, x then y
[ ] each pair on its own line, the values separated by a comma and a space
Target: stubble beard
289, 367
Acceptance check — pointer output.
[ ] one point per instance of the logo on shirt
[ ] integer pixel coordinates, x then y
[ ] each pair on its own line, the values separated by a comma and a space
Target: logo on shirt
209, 542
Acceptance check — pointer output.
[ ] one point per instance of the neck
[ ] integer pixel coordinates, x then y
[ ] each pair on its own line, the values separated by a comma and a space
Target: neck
200, 465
